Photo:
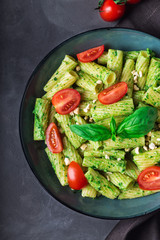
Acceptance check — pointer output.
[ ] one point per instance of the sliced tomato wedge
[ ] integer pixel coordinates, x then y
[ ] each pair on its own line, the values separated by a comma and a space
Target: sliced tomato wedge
53, 139
76, 177
66, 100
149, 178
91, 54
113, 93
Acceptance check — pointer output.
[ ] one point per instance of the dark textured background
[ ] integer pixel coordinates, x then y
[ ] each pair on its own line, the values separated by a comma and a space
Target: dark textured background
29, 30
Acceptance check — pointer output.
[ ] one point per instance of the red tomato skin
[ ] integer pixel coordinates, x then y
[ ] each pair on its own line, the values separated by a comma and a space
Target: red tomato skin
66, 96
56, 145
76, 177
110, 11
90, 54
133, 1
113, 94
149, 178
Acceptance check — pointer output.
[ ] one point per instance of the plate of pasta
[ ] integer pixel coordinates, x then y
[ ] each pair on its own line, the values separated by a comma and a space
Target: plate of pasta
90, 123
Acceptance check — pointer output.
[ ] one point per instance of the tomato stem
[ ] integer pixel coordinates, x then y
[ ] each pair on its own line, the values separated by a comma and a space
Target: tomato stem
120, 2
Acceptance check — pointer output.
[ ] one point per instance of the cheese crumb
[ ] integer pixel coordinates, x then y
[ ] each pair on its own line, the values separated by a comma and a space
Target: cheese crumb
135, 79
145, 148
67, 161
140, 73
137, 150
76, 111
107, 157
134, 73
94, 100
78, 68
87, 108
72, 113
136, 88
91, 120
127, 149
158, 139
83, 146
99, 82
118, 159
152, 146
85, 118
149, 134
77, 123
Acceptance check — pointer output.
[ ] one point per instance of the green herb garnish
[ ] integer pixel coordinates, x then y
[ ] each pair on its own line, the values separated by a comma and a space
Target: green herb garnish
91, 132
139, 123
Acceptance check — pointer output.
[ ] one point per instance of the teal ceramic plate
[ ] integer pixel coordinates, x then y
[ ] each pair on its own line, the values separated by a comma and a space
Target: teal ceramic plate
117, 38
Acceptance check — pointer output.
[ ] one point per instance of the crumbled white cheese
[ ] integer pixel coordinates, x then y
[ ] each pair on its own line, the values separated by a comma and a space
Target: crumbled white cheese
140, 73
135, 79
87, 108
145, 148
134, 73
136, 88
94, 100
77, 123
76, 111
149, 134
86, 117
99, 82
137, 150
91, 120
72, 113
152, 146
127, 149
94, 93
67, 161
158, 139
78, 68
83, 146
107, 157
118, 159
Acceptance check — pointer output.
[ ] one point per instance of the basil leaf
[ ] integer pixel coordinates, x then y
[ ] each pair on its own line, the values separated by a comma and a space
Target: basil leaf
91, 132
139, 123
113, 129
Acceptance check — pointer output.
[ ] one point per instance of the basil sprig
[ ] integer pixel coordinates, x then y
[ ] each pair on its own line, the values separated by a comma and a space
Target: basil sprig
113, 128
91, 132
139, 123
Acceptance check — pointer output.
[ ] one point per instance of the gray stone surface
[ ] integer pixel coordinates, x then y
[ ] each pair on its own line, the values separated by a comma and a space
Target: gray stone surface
29, 30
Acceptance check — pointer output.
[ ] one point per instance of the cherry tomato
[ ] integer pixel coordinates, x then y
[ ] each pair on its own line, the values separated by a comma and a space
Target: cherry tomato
110, 11
91, 54
53, 139
66, 100
149, 178
113, 93
76, 178
133, 1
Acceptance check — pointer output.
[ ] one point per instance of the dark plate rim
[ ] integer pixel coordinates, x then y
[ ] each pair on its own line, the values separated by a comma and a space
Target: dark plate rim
20, 124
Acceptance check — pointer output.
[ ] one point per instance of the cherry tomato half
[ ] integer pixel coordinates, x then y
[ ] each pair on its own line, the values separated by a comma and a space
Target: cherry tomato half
76, 178
133, 1
53, 139
113, 93
66, 100
110, 11
149, 178
91, 54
